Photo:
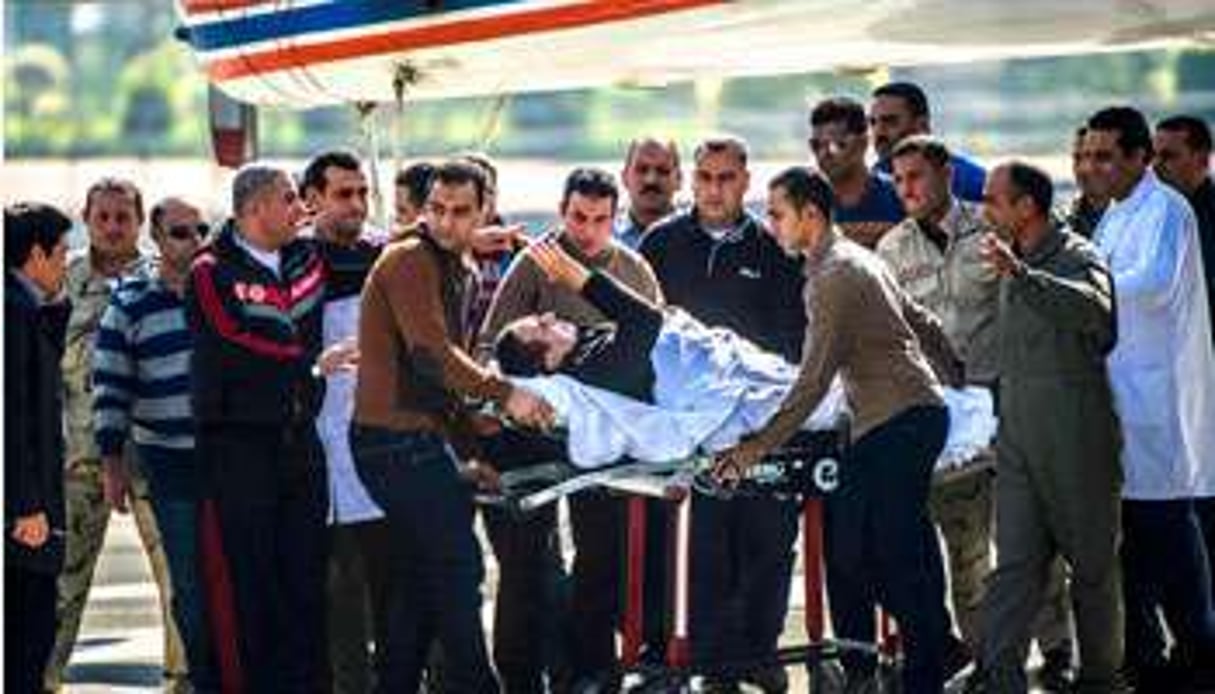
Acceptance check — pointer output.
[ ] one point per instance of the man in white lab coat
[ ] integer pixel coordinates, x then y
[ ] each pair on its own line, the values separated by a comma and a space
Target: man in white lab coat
1163, 375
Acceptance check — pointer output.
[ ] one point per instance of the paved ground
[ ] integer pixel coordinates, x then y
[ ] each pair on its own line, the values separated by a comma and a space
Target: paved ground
121, 639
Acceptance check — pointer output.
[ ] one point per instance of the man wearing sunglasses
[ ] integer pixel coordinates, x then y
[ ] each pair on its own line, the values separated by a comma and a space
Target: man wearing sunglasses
866, 202
141, 370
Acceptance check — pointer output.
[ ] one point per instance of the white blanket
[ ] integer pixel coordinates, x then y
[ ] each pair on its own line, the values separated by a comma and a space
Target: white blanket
604, 427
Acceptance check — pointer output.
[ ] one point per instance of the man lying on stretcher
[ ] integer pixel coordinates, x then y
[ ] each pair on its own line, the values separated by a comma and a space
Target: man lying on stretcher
658, 385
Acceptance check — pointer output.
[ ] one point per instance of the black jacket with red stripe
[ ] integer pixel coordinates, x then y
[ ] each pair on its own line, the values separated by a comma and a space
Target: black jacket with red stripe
256, 336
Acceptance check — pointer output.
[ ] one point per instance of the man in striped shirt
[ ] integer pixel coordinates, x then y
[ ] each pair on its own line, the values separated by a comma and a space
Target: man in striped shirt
142, 396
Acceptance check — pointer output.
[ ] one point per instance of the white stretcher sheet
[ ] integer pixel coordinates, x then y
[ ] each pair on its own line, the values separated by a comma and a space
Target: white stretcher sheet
604, 427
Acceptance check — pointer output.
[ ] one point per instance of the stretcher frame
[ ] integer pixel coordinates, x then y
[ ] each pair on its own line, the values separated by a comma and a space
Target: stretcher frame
674, 482
676, 673
678, 670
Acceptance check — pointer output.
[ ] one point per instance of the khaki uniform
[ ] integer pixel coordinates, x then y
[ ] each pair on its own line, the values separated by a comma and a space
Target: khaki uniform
88, 514
1059, 480
958, 287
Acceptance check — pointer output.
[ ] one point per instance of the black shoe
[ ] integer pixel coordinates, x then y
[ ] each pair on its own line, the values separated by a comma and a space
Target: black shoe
716, 685
957, 657
861, 685
976, 682
1057, 673
771, 679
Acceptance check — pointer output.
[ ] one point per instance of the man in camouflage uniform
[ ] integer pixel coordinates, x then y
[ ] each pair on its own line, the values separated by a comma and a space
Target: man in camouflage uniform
113, 213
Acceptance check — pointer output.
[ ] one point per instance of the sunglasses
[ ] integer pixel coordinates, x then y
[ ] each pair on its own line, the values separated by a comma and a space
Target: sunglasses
186, 232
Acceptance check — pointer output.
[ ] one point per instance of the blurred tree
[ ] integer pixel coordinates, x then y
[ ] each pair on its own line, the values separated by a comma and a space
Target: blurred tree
37, 100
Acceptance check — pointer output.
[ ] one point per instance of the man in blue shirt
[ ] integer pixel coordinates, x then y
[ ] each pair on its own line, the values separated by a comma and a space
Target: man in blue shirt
866, 202
900, 109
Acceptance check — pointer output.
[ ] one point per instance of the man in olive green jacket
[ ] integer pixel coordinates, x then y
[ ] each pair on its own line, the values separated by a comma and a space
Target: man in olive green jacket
1059, 480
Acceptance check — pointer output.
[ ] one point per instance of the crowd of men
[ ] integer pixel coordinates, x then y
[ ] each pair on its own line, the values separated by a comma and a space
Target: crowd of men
297, 407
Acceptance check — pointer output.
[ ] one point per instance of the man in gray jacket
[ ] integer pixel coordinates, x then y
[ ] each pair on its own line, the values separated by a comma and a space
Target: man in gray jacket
1059, 480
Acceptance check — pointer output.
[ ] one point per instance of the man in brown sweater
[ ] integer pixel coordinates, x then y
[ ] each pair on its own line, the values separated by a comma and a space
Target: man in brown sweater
588, 208
863, 328
415, 378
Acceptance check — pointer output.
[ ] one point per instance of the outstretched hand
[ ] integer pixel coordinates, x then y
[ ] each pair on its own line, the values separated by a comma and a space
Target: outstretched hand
482, 475
499, 239
558, 265
731, 465
340, 356
528, 409
999, 256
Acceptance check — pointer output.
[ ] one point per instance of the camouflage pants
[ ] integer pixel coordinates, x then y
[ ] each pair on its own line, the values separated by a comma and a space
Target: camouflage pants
962, 508
88, 516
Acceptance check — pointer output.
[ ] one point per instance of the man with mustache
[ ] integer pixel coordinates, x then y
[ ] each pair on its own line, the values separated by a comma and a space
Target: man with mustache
652, 177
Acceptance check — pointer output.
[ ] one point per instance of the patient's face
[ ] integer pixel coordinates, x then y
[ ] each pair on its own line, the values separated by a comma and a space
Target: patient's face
558, 336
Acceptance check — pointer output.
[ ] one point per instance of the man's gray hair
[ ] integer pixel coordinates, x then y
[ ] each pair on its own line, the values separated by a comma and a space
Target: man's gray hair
723, 142
250, 182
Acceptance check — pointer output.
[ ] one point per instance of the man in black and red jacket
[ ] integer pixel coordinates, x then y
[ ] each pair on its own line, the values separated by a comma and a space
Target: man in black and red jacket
254, 305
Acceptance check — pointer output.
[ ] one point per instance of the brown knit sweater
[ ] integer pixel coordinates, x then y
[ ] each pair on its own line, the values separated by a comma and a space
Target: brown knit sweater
414, 371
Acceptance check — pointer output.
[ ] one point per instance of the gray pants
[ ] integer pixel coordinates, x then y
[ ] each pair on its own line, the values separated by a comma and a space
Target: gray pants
1057, 494
961, 507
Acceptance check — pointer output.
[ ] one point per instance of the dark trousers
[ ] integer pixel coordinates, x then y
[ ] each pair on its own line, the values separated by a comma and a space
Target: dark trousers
269, 487
597, 524
882, 547
358, 602
1165, 567
529, 611
434, 560
176, 489
1205, 507
528, 606
741, 567
29, 626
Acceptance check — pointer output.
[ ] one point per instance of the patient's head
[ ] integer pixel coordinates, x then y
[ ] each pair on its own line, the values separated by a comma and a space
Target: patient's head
535, 344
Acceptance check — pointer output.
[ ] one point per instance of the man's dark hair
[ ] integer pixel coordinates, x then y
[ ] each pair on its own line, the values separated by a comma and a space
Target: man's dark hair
591, 183
927, 146
1129, 123
487, 165
1197, 133
27, 224
415, 179
1031, 182
803, 187
909, 92
121, 186
461, 172
841, 109
517, 357
314, 173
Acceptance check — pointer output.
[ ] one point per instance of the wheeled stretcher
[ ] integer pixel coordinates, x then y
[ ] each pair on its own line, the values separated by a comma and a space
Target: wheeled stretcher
804, 471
